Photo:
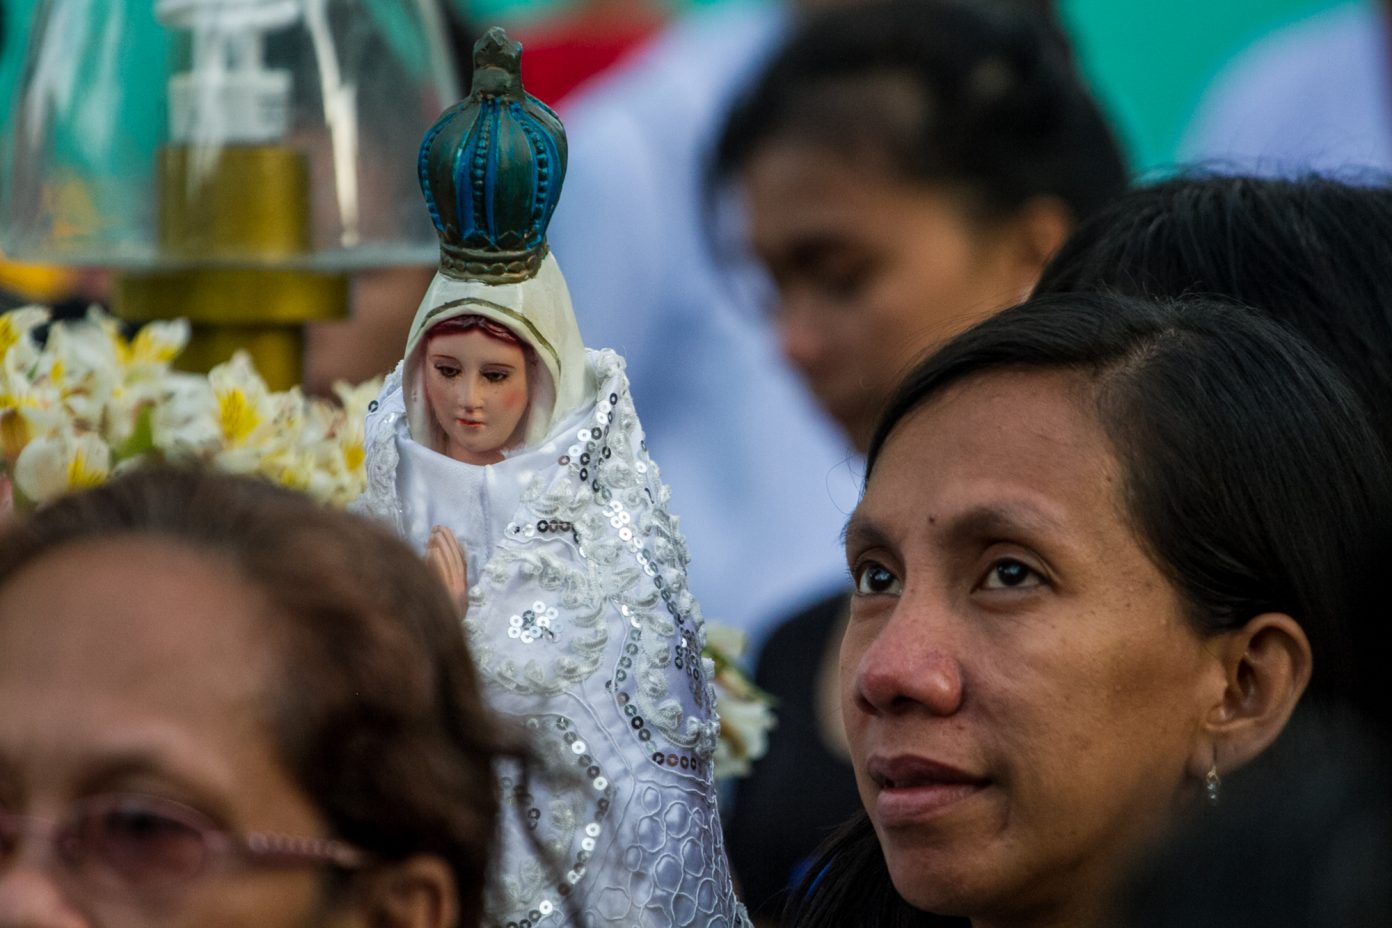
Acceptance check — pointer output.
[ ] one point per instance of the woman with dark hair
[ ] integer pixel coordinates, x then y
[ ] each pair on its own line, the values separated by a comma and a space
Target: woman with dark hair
227, 705
1105, 546
1314, 253
907, 169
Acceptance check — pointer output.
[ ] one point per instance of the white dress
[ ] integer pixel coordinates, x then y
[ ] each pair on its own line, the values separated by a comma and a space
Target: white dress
585, 634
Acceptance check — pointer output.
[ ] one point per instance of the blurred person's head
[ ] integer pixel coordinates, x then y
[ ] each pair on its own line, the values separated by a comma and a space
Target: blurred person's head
907, 168
227, 705
1105, 546
1313, 253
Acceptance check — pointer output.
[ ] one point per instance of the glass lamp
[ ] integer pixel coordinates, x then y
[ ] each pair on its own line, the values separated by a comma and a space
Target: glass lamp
231, 160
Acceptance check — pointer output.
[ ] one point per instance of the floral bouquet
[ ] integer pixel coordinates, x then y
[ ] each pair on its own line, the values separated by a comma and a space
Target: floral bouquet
88, 403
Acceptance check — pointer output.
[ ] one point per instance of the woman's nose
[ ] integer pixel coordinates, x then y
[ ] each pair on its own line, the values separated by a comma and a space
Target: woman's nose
798, 336
32, 897
907, 664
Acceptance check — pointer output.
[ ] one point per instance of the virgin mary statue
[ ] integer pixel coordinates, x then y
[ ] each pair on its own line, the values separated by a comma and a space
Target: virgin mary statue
502, 442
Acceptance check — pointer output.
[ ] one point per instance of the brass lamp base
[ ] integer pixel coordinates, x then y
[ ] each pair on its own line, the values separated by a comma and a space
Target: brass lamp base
243, 214
262, 311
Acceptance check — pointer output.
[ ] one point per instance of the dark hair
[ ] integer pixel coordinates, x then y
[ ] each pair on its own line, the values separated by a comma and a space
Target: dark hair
1249, 473
1313, 252
377, 712
981, 97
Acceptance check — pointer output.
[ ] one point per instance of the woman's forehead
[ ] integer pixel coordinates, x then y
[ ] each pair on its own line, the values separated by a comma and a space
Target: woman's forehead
138, 599
1011, 445
152, 650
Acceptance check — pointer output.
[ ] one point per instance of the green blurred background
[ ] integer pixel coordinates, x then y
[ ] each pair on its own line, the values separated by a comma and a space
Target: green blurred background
1148, 61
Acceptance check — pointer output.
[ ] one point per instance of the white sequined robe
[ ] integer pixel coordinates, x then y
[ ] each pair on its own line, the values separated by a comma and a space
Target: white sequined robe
585, 634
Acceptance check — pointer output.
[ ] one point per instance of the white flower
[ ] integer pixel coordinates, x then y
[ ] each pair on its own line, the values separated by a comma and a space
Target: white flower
746, 712
356, 399
80, 361
186, 421
16, 326
28, 408
744, 728
58, 463
726, 641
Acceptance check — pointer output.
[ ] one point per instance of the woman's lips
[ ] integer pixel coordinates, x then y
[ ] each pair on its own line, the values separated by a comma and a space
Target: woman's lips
912, 789
470, 423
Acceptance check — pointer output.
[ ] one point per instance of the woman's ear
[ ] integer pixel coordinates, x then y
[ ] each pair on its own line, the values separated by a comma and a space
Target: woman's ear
1037, 230
418, 892
1266, 665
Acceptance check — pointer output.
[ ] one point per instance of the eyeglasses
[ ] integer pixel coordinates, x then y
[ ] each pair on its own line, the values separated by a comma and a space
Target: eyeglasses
132, 843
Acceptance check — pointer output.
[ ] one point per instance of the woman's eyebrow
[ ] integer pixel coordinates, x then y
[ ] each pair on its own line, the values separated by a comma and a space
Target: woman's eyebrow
861, 532
999, 520
985, 522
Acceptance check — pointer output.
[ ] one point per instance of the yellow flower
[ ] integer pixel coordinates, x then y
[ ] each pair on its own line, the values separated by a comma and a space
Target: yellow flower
351, 434
238, 414
15, 433
21, 423
27, 409
245, 409
156, 344
354, 455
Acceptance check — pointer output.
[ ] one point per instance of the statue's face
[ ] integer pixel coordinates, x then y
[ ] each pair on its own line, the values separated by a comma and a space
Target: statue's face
477, 387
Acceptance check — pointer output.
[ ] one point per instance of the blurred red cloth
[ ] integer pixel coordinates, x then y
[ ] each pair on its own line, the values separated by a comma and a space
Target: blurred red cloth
562, 53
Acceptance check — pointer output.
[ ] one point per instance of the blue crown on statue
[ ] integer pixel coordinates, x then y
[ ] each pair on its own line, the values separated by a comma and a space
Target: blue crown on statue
491, 171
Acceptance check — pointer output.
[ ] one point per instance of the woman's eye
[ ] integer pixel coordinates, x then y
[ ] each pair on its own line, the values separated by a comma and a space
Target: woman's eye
446, 371
875, 579
135, 824
495, 376
842, 279
145, 846
1010, 574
